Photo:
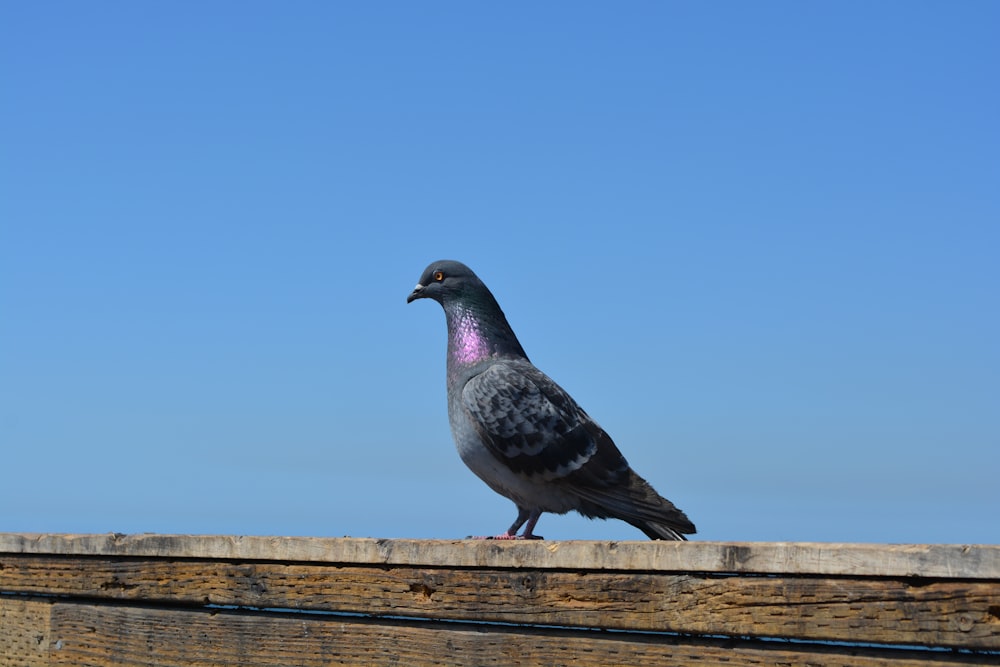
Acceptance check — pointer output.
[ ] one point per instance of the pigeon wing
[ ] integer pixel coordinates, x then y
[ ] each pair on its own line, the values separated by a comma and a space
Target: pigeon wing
534, 427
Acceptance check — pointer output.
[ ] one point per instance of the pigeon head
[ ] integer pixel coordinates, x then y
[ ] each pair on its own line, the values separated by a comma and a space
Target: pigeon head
446, 281
477, 328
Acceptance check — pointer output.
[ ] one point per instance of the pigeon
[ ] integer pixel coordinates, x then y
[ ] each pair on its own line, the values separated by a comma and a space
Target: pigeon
520, 432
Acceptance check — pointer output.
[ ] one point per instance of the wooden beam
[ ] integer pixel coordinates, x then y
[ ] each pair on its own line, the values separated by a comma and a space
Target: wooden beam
876, 560
85, 635
184, 600
943, 613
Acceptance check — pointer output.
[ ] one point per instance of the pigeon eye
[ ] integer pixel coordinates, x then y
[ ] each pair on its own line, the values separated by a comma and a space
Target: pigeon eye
438, 276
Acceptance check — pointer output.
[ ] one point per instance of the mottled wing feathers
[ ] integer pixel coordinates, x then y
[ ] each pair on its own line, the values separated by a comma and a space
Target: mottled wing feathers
533, 426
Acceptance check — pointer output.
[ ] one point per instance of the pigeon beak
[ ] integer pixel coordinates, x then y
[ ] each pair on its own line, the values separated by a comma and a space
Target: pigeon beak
417, 293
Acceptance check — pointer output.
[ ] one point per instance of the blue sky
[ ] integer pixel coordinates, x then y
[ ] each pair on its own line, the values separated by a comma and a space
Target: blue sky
757, 242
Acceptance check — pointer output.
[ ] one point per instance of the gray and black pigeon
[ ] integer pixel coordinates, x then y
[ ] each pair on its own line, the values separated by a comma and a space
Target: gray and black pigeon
520, 432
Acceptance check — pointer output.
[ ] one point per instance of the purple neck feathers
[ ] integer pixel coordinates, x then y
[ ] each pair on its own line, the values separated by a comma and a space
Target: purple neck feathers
473, 337
467, 343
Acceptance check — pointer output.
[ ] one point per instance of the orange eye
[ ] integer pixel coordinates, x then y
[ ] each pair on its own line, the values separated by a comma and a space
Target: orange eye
438, 276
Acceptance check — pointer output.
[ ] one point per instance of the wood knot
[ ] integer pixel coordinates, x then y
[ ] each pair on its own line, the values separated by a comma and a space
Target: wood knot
422, 588
525, 584
966, 623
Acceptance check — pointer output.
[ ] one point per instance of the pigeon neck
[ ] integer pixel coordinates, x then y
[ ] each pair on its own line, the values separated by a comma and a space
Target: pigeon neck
467, 341
473, 337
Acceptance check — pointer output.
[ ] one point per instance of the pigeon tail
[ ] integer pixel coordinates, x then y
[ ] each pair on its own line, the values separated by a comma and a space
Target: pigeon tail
637, 503
657, 531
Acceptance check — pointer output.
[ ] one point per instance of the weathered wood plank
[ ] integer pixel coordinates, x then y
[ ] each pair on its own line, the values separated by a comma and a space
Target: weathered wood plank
24, 632
104, 636
934, 560
958, 614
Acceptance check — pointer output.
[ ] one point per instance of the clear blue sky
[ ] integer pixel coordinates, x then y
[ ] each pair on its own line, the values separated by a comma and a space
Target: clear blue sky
758, 242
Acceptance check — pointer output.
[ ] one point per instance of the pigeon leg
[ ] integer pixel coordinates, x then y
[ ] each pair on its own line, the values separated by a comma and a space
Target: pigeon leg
528, 533
523, 515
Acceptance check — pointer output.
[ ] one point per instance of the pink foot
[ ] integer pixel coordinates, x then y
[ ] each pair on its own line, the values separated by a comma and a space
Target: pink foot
507, 536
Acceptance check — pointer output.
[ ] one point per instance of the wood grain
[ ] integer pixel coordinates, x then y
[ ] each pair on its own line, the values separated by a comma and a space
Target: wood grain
24, 631
948, 613
176, 600
880, 560
92, 636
